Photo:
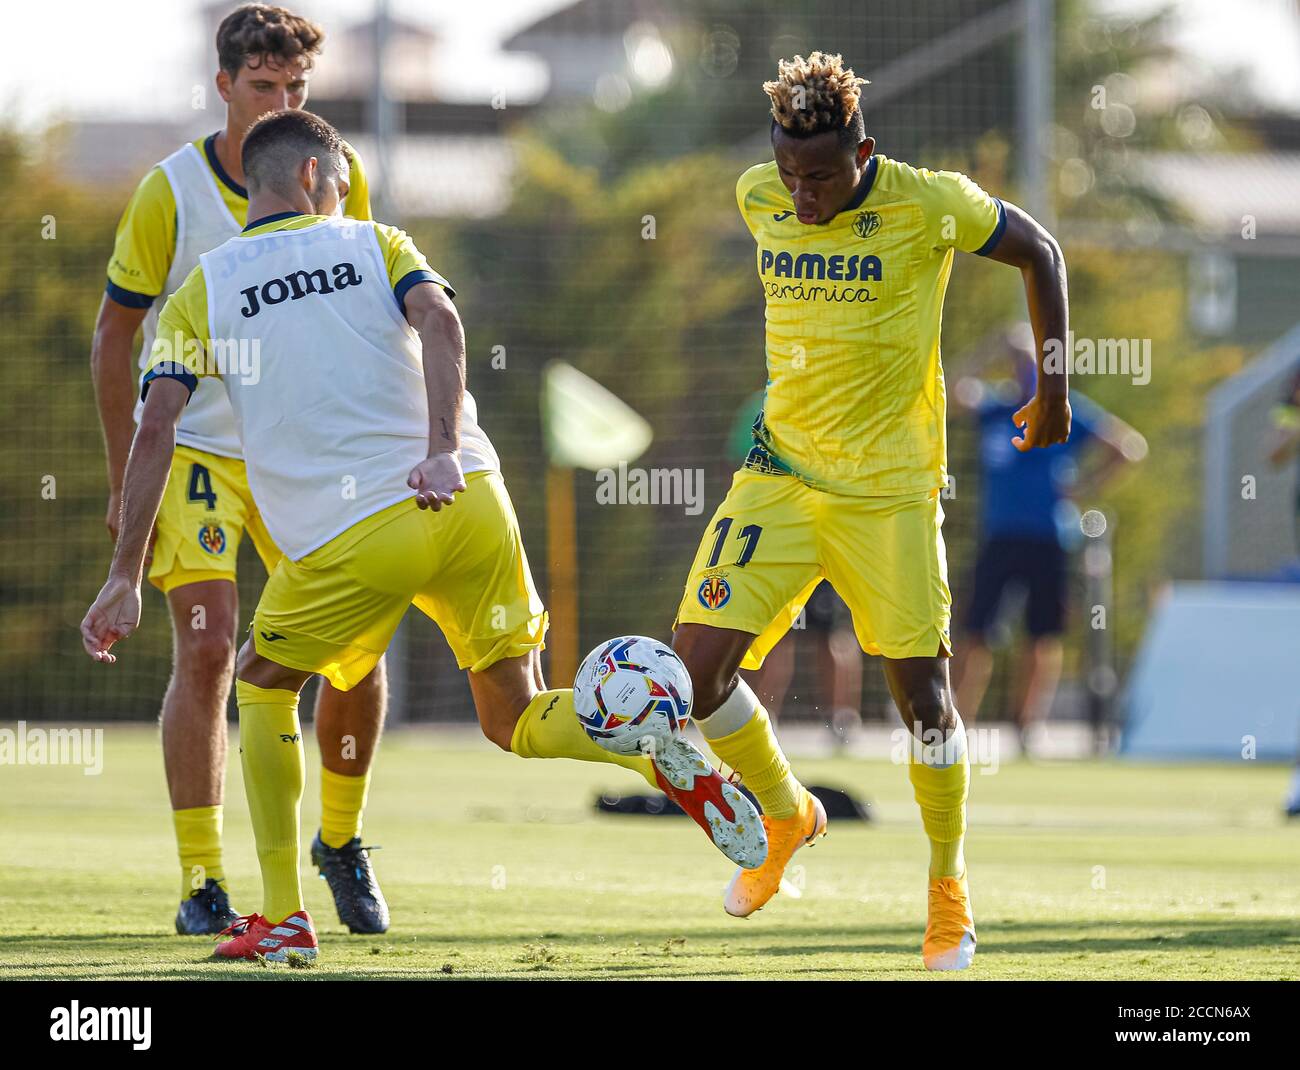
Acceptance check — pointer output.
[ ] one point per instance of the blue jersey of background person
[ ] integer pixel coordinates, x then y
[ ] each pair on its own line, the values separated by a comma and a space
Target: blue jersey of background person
1026, 495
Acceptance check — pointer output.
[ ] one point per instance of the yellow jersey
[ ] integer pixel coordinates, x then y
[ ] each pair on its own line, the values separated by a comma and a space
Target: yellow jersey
855, 398
146, 234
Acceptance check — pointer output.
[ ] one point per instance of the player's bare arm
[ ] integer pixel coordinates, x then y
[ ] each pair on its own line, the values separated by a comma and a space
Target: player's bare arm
438, 478
112, 370
115, 612
1026, 244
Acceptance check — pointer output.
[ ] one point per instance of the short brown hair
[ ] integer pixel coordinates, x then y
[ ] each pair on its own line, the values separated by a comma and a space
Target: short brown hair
280, 140
257, 32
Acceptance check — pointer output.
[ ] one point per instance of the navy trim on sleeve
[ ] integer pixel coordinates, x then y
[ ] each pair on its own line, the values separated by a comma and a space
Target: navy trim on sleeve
128, 298
169, 370
210, 150
414, 278
996, 236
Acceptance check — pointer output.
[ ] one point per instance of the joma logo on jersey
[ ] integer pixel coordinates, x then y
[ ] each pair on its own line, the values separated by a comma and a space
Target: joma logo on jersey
838, 268
212, 538
714, 593
299, 284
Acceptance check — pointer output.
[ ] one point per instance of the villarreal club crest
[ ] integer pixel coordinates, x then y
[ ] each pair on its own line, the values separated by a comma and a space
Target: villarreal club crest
212, 539
714, 592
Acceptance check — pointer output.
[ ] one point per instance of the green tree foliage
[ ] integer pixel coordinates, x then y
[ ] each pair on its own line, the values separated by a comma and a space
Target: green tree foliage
54, 548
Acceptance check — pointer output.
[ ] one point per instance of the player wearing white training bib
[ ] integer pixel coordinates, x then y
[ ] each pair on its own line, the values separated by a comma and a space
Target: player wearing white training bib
356, 397
307, 287
302, 318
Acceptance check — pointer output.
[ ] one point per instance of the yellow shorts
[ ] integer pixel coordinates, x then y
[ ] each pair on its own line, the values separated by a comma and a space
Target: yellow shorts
774, 539
205, 511
334, 611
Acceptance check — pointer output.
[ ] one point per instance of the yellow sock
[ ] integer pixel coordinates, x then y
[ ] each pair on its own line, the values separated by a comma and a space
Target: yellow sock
754, 753
198, 840
342, 798
275, 772
549, 728
940, 791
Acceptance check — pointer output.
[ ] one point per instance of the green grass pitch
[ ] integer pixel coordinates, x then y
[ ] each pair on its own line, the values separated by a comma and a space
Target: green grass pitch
498, 868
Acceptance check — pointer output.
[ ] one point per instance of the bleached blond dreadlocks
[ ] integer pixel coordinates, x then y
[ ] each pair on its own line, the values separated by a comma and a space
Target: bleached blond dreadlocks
811, 96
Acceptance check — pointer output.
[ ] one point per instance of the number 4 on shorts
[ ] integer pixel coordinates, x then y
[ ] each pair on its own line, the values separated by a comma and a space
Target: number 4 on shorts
201, 486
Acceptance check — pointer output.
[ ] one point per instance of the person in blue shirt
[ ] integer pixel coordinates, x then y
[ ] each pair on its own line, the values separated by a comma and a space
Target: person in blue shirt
1028, 524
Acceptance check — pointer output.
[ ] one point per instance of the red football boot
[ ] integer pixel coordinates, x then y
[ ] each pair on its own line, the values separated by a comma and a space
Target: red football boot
727, 816
253, 937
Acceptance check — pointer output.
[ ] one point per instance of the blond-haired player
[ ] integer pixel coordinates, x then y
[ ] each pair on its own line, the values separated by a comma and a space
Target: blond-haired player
842, 483
189, 203
360, 385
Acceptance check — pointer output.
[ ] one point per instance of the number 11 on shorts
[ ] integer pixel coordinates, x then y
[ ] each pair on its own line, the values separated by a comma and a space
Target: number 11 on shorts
749, 534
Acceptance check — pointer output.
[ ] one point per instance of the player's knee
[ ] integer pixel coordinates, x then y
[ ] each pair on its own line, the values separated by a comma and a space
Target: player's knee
498, 715
500, 730
928, 710
252, 668
498, 719
247, 659
205, 652
502, 693
711, 679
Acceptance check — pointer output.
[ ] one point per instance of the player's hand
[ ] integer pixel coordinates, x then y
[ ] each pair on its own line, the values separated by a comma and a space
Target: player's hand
1044, 422
114, 615
436, 480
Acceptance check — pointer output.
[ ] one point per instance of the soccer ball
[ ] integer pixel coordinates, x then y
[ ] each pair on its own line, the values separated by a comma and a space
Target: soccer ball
633, 695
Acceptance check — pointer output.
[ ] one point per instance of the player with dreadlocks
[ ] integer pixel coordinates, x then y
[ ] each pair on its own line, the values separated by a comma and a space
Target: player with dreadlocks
843, 480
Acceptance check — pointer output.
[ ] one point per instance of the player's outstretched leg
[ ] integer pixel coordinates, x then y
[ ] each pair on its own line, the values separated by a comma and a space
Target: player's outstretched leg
348, 724
270, 745
548, 727
739, 732
940, 773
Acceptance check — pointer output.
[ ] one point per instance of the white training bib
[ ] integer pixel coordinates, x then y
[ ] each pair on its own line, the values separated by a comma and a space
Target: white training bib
325, 377
202, 222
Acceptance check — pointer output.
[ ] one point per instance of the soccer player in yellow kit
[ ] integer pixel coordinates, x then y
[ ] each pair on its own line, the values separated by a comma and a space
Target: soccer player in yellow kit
843, 481
355, 418
189, 203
